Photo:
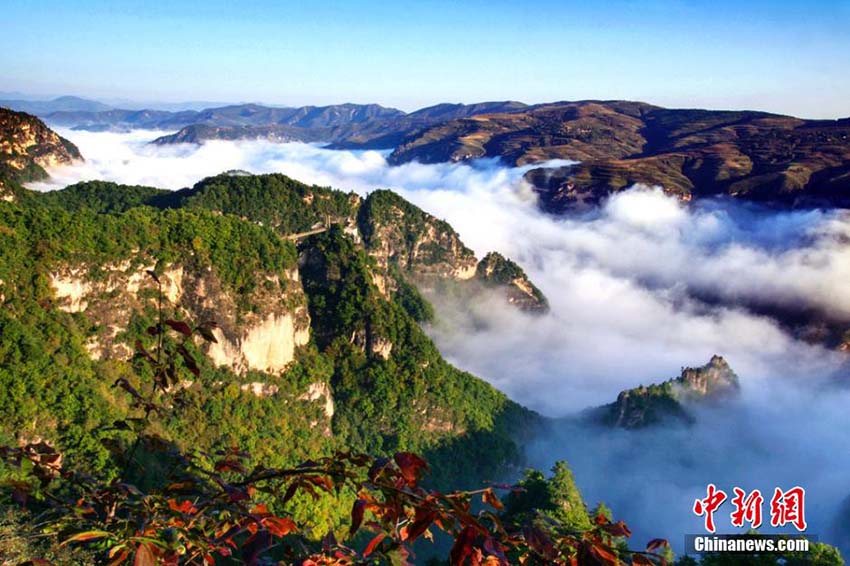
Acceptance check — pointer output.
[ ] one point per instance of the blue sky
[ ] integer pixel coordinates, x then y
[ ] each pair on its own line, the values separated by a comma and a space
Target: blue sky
781, 56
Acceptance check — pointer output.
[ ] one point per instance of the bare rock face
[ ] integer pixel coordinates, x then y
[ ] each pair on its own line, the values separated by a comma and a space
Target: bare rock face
405, 240
397, 232
668, 401
715, 380
28, 147
264, 339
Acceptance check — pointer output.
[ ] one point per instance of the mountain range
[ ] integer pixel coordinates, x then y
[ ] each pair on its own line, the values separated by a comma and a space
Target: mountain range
312, 303
691, 153
315, 296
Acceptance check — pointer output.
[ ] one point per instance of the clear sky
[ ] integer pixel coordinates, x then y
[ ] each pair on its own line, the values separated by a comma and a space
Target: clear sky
789, 57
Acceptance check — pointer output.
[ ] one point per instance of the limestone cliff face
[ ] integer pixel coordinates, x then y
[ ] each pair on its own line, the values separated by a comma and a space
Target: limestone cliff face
262, 339
396, 232
715, 380
28, 147
406, 241
668, 401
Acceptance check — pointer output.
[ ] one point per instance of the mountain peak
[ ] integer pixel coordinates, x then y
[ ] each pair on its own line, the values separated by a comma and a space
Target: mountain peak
645, 406
28, 146
713, 380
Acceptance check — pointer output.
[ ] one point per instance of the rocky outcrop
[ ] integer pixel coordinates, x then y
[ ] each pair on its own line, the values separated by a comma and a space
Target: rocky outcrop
495, 270
668, 401
264, 339
405, 241
395, 232
28, 147
715, 380
267, 346
320, 391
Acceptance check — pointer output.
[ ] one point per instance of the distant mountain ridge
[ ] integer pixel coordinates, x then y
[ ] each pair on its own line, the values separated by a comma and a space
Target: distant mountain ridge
60, 104
349, 126
691, 153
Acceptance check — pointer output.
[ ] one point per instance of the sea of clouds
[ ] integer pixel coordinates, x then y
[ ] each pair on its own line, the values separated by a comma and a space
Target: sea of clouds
639, 288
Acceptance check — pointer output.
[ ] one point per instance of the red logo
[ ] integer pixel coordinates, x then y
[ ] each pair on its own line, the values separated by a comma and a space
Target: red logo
747, 508
709, 505
786, 507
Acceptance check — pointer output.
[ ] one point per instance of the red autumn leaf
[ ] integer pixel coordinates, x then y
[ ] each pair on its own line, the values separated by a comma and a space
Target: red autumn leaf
321, 481
185, 507
424, 519
539, 542
373, 543
145, 555
357, 511
84, 536
490, 498
603, 555
180, 327
641, 560
618, 529
207, 334
462, 548
655, 544
290, 492
411, 466
119, 556
279, 526
261, 510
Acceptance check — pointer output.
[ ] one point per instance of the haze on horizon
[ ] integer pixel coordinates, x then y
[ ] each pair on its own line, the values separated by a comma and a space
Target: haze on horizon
784, 57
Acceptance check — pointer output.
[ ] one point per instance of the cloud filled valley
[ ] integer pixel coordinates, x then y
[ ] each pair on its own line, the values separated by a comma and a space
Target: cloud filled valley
638, 288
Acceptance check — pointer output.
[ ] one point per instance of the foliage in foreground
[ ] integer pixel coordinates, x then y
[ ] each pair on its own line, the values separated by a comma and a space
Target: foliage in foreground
205, 509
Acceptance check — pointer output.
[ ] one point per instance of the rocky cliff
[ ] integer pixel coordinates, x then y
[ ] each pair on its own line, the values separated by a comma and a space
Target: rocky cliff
27, 148
668, 401
263, 338
495, 270
316, 344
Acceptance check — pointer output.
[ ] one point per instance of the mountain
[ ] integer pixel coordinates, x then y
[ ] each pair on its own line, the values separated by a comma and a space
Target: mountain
691, 153
27, 147
305, 117
668, 401
200, 133
314, 292
350, 126
309, 295
449, 111
387, 134
317, 345
585, 130
60, 104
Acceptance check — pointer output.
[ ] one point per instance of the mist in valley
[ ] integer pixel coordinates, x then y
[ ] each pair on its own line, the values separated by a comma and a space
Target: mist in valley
638, 288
